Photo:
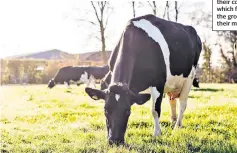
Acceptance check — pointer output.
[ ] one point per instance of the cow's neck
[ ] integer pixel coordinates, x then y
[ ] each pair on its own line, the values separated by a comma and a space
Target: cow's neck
124, 71
124, 64
56, 78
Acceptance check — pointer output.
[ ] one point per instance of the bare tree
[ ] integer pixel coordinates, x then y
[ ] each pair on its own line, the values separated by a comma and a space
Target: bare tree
133, 8
96, 19
176, 11
166, 11
153, 6
207, 64
99, 10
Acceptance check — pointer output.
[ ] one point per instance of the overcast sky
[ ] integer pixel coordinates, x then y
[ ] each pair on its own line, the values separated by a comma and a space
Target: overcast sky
38, 25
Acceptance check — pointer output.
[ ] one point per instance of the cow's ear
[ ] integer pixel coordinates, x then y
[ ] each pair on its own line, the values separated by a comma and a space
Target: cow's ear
141, 99
95, 93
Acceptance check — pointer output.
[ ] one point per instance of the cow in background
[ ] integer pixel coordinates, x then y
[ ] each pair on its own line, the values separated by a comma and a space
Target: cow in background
80, 74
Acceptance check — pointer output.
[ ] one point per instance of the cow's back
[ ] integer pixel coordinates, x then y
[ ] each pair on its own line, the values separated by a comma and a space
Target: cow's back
77, 72
183, 43
159, 48
63, 74
98, 72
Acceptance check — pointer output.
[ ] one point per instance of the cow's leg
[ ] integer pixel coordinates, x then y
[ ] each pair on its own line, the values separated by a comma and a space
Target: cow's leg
183, 101
91, 82
156, 109
66, 83
173, 111
79, 83
88, 82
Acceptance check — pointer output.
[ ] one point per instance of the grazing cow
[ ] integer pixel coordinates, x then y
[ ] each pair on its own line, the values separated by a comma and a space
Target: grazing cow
82, 74
151, 53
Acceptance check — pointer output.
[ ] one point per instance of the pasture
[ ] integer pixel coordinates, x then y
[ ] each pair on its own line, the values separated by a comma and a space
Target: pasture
37, 119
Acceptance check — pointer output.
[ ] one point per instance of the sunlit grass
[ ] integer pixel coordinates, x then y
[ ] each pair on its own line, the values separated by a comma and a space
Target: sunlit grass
37, 119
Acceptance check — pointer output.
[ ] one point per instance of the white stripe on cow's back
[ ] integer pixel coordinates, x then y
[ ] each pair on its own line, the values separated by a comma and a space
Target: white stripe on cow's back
154, 32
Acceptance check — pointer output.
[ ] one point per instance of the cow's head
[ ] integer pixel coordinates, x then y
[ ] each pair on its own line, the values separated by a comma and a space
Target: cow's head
117, 108
196, 82
51, 83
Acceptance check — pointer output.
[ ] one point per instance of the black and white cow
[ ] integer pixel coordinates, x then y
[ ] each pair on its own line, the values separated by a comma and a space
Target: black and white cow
151, 53
79, 74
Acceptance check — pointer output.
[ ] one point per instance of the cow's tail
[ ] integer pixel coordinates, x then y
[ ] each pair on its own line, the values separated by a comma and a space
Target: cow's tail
198, 51
198, 46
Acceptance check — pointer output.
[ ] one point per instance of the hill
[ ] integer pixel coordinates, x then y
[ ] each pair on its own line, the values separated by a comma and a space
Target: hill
56, 54
93, 56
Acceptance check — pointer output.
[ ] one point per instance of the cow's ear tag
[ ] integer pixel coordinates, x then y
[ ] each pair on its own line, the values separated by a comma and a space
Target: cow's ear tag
95, 97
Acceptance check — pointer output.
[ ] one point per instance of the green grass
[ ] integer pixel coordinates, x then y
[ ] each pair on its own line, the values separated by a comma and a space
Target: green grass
37, 119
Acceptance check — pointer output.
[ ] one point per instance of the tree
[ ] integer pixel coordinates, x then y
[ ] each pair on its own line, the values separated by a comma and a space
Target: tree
96, 17
99, 10
230, 60
153, 7
15, 69
207, 52
176, 11
4, 72
230, 56
166, 11
133, 8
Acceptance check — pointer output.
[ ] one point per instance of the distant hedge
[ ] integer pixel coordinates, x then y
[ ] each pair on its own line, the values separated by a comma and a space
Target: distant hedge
30, 71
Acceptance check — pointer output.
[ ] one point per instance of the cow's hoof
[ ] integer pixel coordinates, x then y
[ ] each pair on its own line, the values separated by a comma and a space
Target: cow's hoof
157, 133
173, 124
177, 126
173, 120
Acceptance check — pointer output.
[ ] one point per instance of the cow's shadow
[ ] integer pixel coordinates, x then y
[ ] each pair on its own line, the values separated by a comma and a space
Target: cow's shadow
207, 89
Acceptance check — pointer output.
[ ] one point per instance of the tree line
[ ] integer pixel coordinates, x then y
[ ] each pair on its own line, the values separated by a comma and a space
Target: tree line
225, 43
227, 72
31, 71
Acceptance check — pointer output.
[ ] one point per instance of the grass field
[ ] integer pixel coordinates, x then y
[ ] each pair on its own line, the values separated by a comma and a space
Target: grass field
37, 119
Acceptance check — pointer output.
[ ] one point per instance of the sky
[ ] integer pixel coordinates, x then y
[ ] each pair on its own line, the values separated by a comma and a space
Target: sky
39, 25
